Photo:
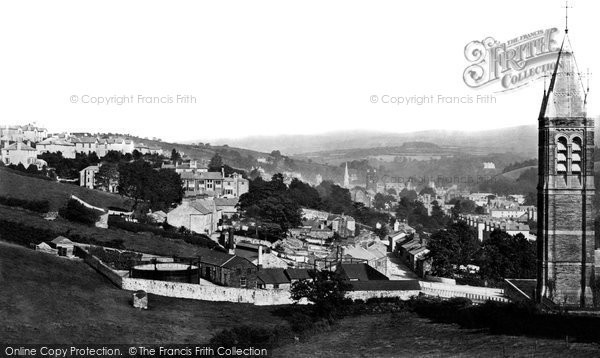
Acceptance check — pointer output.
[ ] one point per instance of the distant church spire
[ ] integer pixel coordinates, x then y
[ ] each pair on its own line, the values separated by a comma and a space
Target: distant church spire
346, 177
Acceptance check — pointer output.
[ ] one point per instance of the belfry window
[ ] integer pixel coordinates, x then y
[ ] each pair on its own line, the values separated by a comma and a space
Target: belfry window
561, 155
576, 156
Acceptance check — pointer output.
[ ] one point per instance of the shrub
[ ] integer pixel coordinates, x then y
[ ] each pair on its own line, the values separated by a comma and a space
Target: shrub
247, 336
118, 260
40, 206
77, 212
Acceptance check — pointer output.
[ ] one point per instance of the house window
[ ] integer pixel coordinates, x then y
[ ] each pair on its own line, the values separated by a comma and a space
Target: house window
238, 271
249, 271
243, 282
276, 285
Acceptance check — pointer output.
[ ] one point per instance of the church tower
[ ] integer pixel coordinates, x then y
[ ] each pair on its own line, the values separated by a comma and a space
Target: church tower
565, 232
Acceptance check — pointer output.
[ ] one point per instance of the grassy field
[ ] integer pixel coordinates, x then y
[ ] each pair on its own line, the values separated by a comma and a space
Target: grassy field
141, 242
407, 335
24, 187
47, 299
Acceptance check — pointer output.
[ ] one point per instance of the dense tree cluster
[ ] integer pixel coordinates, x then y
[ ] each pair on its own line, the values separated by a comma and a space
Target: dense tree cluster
271, 202
415, 214
499, 256
159, 189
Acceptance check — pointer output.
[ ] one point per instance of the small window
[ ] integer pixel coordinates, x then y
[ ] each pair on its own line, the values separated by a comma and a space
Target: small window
238, 271
243, 282
249, 271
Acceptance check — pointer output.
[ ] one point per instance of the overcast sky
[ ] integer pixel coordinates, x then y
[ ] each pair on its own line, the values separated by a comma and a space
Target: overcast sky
267, 67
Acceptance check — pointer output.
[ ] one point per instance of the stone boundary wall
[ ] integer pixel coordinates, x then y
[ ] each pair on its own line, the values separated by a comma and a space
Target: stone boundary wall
365, 295
261, 297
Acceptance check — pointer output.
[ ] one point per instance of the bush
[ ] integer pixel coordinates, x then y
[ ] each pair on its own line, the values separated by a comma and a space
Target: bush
39, 206
118, 260
247, 336
77, 212
508, 318
25, 235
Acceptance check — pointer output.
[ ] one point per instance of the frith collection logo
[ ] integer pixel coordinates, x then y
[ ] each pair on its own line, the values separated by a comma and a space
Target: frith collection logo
512, 64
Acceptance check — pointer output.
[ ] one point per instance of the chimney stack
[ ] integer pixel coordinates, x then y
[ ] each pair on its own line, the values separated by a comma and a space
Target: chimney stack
260, 256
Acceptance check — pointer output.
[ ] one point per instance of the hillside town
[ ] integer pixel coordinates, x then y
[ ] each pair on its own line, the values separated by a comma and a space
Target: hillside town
273, 254
312, 224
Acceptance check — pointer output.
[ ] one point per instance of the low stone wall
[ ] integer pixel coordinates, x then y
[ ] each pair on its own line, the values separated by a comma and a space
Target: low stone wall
99, 266
476, 294
365, 295
208, 293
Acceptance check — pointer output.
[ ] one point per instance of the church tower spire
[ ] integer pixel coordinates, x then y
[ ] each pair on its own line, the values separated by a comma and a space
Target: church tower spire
346, 178
565, 239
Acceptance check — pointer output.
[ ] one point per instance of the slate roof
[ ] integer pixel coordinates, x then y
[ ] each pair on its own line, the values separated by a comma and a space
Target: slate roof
212, 257
226, 201
298, 274
23, 147
61, 240
85, 140
272, 276
361, 272
235, 262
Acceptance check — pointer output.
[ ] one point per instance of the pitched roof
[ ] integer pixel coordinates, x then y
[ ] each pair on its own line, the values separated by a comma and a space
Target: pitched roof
85, 140
62, 240
23, 147
213, 257
272, 276
361, 272
236, 261
298, 274
226, 201
200, 208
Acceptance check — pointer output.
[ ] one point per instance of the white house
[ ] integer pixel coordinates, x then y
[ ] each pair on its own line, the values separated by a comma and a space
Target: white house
87, 177
19, 153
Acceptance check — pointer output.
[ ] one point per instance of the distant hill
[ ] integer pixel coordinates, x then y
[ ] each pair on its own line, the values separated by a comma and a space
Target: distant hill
515, 174
521, 140
13, 184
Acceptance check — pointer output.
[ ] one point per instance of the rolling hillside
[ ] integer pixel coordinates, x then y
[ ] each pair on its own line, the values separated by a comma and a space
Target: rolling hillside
47, 299
13, 184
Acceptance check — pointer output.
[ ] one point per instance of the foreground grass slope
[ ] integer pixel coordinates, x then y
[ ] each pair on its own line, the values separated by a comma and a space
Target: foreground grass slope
407, 335
47, 299
19, 186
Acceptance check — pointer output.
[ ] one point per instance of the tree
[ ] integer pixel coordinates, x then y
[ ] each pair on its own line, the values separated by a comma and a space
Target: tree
175, 156
216, 162
160, 188
327, 291
381, 201
427, 190
507, 256
304, 194
107, 176
456, 245
271, 203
